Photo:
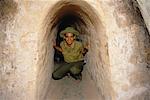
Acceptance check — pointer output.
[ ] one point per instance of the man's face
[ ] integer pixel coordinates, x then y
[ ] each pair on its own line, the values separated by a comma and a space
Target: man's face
69, 37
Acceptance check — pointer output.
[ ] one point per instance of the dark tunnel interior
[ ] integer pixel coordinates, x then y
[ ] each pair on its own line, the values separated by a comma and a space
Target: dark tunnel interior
68, 20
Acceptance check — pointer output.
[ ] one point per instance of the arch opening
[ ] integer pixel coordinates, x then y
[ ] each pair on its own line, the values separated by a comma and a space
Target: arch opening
87, 22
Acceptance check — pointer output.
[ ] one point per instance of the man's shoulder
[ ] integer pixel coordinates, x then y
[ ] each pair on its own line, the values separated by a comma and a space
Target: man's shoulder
78, 43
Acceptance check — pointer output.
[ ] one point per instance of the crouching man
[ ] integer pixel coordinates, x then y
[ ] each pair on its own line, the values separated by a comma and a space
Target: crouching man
73, 52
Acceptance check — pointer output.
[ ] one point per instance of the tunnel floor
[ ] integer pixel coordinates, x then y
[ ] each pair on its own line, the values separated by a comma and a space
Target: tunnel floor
70, 89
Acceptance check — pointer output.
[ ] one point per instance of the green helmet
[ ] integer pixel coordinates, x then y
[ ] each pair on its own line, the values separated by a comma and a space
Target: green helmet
69, 30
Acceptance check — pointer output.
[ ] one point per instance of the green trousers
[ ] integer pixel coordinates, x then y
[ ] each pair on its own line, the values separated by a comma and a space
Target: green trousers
74, 68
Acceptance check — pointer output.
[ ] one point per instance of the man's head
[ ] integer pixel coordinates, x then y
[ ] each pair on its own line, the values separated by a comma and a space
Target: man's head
69, 30
69, 34
69, 38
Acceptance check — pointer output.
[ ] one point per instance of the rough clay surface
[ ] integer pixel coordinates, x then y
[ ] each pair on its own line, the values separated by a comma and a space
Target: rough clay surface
118, 60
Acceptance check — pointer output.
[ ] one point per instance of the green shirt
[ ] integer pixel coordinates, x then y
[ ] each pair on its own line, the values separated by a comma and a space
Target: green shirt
72, 53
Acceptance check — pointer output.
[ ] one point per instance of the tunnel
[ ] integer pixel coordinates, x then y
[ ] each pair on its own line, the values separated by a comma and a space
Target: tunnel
117, 61
97, 74
83, 18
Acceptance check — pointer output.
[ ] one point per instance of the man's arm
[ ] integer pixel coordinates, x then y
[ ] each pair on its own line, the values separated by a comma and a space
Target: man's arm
85, 49
56, 47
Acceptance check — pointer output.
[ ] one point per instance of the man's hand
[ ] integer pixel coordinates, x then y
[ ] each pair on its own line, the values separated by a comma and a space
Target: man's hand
85, 49
56, 47
86, 45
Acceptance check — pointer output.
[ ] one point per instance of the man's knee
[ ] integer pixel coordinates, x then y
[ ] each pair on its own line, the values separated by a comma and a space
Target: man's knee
75, 70
56, 77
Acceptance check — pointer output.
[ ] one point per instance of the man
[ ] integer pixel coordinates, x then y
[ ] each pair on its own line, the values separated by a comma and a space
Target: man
73, 52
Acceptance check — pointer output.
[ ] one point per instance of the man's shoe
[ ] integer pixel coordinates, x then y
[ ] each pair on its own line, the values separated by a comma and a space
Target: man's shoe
80, 76
68, 75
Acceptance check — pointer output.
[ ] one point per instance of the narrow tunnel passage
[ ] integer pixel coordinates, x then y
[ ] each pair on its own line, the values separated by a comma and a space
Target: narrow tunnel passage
86, 21
117, 63
96, 75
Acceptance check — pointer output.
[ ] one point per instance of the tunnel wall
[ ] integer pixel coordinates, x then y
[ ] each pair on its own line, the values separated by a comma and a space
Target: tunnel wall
26, 51
20, 26
145, 10
127, 45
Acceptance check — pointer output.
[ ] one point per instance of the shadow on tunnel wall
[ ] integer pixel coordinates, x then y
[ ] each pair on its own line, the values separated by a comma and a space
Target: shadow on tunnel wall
8, 9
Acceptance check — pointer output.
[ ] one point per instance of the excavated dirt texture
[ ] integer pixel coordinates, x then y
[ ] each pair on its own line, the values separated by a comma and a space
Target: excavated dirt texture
118, 60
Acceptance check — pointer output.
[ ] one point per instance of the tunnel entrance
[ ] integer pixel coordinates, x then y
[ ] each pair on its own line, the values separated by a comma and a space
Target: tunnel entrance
81, 16
84, 18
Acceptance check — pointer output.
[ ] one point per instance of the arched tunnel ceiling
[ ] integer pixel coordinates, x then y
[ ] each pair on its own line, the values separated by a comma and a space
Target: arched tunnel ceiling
73, 14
